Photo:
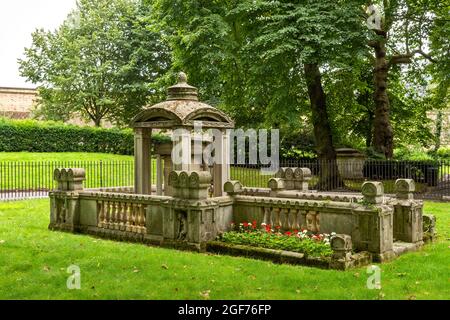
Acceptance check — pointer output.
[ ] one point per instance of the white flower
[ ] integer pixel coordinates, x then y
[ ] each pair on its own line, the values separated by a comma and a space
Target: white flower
333, 233
263, 224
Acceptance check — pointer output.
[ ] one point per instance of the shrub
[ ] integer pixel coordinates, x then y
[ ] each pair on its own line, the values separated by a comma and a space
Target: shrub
49, 136
443, 153
412, 154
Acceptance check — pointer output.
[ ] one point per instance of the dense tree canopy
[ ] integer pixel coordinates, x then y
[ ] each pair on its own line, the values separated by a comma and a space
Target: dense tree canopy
104, 62
326, 73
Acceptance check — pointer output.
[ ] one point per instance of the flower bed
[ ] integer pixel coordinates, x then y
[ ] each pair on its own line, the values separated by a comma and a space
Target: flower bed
301, 241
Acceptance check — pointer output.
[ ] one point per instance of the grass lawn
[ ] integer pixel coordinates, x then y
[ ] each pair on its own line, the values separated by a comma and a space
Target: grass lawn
33, 263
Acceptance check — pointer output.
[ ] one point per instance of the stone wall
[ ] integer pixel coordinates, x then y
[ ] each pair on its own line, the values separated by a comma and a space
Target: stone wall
445, 132
17, 103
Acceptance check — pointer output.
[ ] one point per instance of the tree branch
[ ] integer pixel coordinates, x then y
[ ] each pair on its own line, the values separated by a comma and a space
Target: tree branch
424, 54
400, 58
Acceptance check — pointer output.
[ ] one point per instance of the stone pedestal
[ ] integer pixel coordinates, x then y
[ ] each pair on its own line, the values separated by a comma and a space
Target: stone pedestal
373, 192
64, 202
407, 213
350, 163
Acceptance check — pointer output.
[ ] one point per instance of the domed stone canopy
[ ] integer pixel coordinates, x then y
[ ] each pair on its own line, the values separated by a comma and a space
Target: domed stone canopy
181, 109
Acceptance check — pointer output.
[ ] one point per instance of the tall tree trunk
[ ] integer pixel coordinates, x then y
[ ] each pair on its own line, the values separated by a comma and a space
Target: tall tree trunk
383, 136
98, 122
329, 174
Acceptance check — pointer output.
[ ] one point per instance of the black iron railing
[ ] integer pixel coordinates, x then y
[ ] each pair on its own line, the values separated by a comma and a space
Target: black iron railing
432, 177
28, 179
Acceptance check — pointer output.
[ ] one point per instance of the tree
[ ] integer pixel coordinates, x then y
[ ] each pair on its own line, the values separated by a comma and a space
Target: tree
401, 34
103, 62
266, 58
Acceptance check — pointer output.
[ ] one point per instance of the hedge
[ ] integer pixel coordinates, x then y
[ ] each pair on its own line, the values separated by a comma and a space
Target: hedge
49, 136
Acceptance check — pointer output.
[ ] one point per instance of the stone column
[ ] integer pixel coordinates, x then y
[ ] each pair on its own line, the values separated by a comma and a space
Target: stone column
222, 165
168, 191
159, 175
186, 150
142, 161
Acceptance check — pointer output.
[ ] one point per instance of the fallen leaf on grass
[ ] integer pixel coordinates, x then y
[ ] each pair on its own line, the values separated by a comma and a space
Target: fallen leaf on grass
136, 270
412, 297
401, 274
165, 266
46, 268
205, 294
2, 241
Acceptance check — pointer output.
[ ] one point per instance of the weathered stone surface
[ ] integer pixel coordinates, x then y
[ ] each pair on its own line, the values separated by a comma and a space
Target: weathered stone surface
276, 184
404, 188
233, 187
429, 227
373, 192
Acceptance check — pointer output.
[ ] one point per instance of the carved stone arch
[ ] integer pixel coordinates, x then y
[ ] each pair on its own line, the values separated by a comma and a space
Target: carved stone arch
208, 114
156, 114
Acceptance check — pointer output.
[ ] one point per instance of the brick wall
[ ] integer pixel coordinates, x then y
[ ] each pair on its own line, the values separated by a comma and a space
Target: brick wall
16, 102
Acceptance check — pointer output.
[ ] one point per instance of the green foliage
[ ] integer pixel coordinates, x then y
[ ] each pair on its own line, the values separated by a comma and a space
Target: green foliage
443, 153
412, 153
103, 62
38, 136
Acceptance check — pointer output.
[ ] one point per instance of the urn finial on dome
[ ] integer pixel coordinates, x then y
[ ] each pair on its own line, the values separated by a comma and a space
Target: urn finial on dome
182, 90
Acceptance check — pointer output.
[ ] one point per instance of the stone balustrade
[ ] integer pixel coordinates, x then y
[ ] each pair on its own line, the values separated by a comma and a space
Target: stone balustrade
370, 227
367, 223
119, 214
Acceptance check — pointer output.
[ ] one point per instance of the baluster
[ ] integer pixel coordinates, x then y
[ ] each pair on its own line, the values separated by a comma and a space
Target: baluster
266, 218
108, 214
144, 219
100, 214
112, 214
116, 215
283, 219
121, 224
276, 217
293, 213
134, 209
141, 220
128, 216
302, 219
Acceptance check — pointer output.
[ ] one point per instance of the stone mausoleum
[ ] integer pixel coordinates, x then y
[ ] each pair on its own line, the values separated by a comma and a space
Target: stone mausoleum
193, 202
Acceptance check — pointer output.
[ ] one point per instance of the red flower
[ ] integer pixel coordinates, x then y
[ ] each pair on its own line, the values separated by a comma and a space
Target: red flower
288, 233
295, 231
254, 224
278, 227
268, 228
245, 224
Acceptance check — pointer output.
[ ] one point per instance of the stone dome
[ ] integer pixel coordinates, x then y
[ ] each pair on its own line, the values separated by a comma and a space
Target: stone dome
181, 109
